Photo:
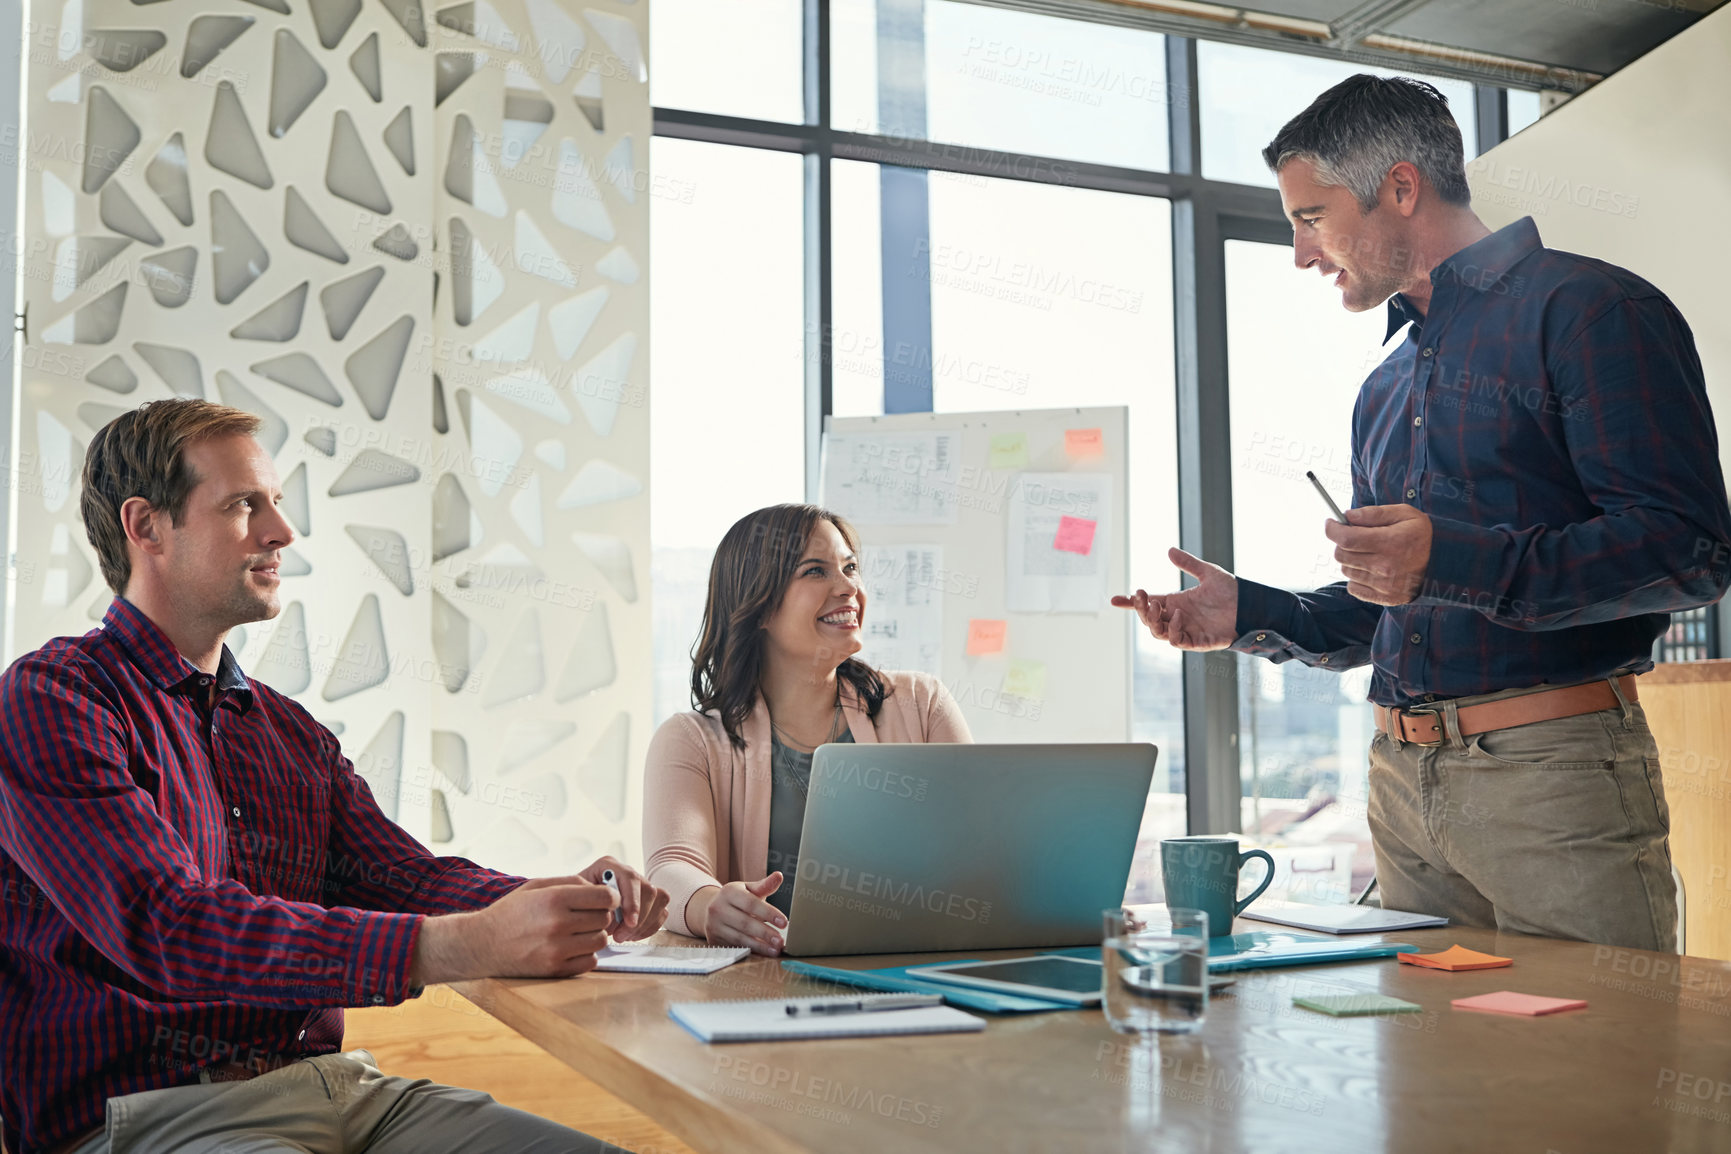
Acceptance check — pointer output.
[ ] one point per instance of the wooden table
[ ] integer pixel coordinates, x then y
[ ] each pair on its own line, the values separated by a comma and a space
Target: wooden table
1645, 1068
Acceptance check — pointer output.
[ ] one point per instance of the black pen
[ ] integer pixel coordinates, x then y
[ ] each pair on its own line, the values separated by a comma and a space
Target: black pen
865, 1006
1332, 507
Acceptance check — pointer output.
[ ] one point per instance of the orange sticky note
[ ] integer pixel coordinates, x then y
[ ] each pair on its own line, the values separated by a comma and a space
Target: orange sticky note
986, 636
1509, 1002
1456, 958
1075, 535
1081, 443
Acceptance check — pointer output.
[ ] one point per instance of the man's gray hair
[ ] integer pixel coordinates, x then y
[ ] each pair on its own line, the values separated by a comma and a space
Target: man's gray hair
1364, 126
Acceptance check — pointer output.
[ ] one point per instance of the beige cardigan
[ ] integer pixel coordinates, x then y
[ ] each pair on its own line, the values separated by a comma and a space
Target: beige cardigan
706, 804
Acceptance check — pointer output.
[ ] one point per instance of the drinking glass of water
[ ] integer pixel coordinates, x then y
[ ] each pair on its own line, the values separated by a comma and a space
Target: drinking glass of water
1155, 978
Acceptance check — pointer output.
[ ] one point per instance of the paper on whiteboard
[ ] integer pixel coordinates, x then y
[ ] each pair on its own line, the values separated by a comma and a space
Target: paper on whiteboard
904, 610
1039, 577
893, 478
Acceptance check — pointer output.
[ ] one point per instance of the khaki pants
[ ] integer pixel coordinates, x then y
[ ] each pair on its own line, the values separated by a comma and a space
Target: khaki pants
1557, 828
334, 1104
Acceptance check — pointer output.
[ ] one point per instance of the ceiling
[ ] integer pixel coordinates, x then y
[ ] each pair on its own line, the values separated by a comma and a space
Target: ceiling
1567, 45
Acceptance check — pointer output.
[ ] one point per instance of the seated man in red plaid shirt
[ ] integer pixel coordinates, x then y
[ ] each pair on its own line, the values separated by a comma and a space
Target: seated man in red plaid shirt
209, 881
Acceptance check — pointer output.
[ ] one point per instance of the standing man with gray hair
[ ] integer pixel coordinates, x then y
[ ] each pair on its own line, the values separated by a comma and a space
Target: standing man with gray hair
1536, 486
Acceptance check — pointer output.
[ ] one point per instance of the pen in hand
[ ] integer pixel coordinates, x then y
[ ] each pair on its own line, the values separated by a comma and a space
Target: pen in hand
890, 1002
1332, 507
612, 883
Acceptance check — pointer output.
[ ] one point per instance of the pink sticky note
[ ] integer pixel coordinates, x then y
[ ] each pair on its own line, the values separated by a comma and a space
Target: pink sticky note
1080, 443
1509, 1002
1075, 535
986, 636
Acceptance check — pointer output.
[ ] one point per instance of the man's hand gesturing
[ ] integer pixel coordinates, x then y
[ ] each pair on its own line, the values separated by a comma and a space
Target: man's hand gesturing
1203, 617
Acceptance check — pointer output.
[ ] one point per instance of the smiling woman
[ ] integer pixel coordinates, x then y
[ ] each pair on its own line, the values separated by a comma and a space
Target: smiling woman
773, 677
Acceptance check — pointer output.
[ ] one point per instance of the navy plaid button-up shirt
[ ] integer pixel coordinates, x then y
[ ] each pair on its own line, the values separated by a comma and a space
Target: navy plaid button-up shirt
185, 885
1550, 416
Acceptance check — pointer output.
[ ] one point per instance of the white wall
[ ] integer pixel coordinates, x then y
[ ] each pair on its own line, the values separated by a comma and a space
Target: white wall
1637, 171
467, 604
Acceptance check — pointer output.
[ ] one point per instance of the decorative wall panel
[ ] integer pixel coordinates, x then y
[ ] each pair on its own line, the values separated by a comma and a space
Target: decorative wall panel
413, 247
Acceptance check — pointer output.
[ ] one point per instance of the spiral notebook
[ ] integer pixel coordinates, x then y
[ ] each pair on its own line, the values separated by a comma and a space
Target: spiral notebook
635, 959
767, 1020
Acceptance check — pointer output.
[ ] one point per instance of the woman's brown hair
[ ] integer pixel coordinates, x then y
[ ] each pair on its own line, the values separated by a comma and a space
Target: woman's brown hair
748, 578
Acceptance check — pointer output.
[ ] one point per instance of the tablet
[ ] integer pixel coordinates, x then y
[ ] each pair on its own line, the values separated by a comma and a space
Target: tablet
1074, 981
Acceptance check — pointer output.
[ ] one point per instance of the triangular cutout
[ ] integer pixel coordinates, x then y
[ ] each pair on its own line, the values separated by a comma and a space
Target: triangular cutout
512, 341
206, 37
571, 320
178, 368
364, 63
273, 431
411, 15
332, 19
237, 256
450, 70
559, 39
169, 275
591, 665
400, 139
396, 241
305, 230
536, 255
166, 176
296, 505
114, 375
230, 146
109, 138
576, 198
278, 321
373, 369
476, 282
121, 214
300, 372
349, 173
343, 300
123, 49
296, 79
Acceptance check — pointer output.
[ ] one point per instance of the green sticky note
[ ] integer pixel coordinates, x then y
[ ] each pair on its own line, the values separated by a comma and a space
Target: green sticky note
1026, 679
1009, 451
1353, 1005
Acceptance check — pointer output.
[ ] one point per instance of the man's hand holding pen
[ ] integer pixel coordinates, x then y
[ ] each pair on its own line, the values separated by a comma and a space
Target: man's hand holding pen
1383, 553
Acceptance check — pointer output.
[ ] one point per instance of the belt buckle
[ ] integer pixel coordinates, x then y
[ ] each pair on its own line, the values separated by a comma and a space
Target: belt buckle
1400, 723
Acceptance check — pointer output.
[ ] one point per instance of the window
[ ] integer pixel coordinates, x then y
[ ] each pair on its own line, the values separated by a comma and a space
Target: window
1248, 94
857, 328
1523, 110
1045, 296
736, 57
726, 323
1009, 81
1296, 359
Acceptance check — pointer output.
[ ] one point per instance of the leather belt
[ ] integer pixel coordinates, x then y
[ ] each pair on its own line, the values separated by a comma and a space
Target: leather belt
1425, 726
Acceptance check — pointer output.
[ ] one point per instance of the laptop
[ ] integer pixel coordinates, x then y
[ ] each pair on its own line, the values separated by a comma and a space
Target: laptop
926, 848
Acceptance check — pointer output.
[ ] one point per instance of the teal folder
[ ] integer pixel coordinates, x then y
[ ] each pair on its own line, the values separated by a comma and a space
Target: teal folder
1265, 949
896, 978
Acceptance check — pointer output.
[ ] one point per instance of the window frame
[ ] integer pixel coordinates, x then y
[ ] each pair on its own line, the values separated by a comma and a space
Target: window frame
1205, 215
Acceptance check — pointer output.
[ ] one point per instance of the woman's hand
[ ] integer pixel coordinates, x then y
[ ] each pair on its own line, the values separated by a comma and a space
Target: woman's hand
737, 915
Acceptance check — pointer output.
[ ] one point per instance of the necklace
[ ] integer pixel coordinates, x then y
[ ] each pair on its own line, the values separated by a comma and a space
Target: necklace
837, 726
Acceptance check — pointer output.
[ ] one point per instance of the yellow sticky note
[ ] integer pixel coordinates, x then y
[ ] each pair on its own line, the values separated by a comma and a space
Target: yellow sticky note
986, 636
1026, 679
1081, 444
1009, 451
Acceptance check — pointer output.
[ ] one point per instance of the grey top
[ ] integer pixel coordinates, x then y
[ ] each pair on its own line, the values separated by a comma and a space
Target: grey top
790, 777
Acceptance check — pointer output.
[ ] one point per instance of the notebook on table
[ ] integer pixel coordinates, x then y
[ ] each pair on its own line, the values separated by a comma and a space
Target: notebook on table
1340, 919
767, 1020
645, 959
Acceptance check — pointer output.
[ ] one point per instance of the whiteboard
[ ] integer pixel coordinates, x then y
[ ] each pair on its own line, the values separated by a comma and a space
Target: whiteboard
1004, 532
